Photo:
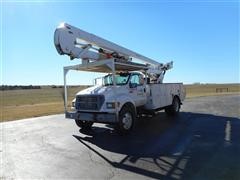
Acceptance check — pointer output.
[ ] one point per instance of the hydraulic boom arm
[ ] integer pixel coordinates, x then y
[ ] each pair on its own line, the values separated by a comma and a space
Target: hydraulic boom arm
80, 44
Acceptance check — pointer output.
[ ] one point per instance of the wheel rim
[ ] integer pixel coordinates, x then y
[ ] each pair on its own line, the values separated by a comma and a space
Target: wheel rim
176, 105
127, 120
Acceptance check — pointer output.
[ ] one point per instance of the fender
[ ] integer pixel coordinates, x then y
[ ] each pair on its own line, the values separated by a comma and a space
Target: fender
123, 99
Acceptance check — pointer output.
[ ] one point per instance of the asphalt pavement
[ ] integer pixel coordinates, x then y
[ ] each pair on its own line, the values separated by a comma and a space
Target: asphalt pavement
203, 142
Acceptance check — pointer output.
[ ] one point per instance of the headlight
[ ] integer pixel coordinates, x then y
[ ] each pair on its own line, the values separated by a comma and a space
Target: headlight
110, 105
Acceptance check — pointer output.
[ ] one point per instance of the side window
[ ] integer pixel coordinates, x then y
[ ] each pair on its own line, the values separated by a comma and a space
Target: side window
135, 79
141, 79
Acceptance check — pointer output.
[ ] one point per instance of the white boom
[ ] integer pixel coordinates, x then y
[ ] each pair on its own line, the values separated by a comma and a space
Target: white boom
77, 43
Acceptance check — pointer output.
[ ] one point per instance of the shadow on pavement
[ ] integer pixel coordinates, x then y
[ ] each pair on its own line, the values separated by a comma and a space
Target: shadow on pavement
193, 145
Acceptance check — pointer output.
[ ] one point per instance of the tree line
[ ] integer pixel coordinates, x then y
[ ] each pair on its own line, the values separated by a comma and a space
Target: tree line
17, 87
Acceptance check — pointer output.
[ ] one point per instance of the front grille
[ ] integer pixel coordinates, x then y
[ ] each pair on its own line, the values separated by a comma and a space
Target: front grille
89, 102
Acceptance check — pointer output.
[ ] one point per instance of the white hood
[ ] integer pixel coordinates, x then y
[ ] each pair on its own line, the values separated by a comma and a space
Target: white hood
95, 90
107, 91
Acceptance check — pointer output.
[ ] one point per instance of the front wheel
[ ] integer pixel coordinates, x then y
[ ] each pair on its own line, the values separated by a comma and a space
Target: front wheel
84, 124
174, 108
126, 120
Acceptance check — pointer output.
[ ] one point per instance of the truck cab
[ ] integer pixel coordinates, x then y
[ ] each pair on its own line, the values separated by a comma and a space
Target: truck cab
105, 100
130, 86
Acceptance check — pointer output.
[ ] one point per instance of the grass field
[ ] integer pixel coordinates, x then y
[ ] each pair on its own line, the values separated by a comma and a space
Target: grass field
19, 104
211, 89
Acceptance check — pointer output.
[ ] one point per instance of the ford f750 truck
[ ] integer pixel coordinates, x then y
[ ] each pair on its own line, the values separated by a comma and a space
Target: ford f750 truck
132, 85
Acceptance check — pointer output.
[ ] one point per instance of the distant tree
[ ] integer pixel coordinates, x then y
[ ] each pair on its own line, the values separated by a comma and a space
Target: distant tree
16, 87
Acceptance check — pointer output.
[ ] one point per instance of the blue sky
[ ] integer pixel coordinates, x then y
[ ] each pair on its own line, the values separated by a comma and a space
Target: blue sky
201, 38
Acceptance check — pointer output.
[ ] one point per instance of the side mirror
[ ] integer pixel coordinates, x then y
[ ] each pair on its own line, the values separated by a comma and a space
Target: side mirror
132, 85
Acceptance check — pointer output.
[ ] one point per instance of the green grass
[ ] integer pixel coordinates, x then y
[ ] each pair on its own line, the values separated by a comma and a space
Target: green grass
19, 104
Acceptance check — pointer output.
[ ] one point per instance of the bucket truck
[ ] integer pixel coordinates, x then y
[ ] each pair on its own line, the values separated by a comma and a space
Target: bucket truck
133, 84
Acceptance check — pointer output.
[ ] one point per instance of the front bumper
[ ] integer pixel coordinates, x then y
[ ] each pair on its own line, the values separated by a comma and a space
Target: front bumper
92, 116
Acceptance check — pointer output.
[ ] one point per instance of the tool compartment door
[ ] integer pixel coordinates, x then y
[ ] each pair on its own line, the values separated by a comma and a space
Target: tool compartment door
160, 96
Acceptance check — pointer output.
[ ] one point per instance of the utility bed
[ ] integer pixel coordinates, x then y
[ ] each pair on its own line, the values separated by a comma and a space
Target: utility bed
161, 95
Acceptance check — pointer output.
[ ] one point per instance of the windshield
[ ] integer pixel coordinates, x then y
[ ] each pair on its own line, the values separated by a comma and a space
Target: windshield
121, 79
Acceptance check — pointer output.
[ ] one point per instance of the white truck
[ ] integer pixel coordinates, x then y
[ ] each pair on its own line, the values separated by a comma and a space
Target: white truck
131, 87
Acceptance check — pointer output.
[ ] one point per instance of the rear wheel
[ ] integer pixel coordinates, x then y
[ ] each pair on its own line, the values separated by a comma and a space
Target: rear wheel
126, 119
174, 108
84, 124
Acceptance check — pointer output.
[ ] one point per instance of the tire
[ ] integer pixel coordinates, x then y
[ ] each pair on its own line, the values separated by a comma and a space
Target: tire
173, 109
126, 119
84, 124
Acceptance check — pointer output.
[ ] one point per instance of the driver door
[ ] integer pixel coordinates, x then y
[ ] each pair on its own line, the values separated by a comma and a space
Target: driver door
137, 89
